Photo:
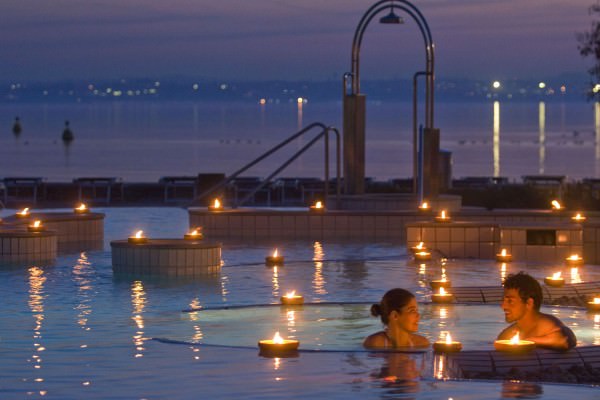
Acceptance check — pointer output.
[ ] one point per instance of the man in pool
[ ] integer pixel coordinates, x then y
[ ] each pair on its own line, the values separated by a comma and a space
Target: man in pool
521, 304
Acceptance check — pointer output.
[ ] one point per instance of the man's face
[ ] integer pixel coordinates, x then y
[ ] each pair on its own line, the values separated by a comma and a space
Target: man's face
513, 306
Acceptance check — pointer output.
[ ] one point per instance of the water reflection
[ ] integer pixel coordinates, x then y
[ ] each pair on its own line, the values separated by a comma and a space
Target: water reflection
521, 390
575, 277
138, 301
399, 373
318, 278
36, 305
195, 318
81, 277
542, 139
275, 281
496, 139
597, 132
596, 328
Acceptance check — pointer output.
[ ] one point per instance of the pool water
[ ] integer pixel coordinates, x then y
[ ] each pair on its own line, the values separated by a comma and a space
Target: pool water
73, 330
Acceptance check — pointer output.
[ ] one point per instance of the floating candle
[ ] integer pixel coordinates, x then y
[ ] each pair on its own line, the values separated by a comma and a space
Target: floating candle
578, 218
82, 209
556, 206
447, 345
138, 238
23, 213
555, 280
594, 305
318, 207
443, 217
503, 256
278, 345
574, 259
292, 299
36, 227
422, 256
275, 259
442, 297
419, 247
216, 205
514, 345
195, 234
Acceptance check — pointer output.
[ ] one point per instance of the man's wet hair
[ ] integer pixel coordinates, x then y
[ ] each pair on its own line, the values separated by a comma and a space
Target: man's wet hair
527, 287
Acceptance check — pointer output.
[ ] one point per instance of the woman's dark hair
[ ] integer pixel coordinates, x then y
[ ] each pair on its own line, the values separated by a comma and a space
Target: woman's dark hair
394, 299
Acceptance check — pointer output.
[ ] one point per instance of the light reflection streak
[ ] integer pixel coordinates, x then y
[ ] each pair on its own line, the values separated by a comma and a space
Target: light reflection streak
597, 132
439, 366
542, 139
318, 279
224, 291
275, 281
138, 301
575, 277
596, 327
81, 272
36, 305
496, 139
503, 272
195, 316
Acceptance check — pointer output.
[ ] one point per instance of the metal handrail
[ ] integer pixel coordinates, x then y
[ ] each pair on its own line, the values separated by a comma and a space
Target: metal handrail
325, 130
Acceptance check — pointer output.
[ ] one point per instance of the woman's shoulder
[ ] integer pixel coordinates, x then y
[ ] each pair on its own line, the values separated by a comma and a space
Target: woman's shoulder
419, 341
378, 339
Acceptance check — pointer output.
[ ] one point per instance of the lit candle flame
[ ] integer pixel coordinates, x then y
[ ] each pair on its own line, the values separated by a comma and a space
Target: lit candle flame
448, 338
443, 214
556, 275
275, 253
442, 291
420, 245
139, 234
503, 253
82, 207
318, 204
291, 294
37, 224
25, 211
424, 205
216, 204
556, 205
578, 217
596, 300
515, 339
574, 257
195, 232
277, 339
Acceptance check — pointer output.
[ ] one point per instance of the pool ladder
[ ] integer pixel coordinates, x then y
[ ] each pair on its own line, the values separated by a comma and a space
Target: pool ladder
324, 133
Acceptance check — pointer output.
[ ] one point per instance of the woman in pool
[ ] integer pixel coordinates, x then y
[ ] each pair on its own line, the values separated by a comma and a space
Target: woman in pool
399, 313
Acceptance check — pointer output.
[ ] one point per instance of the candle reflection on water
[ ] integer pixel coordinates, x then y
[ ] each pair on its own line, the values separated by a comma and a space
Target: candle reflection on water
596, 328
36, 305
195, 317
138, 301
275, 281
318, 278
542, 139
575, 277
82, 273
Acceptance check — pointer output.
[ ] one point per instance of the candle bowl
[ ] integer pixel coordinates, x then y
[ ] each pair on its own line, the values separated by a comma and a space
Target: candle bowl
193, 236
554, 282
22, 216
593, 307
442, 298
271, 261
137, 240
437, 284
32, 228
295, 300
442, 219
445, 347
574, 261
288, 348
506, 345
316, 210
422, 256
79, 210
505, 258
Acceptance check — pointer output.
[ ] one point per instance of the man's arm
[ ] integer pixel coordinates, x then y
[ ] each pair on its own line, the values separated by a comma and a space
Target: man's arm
553, 334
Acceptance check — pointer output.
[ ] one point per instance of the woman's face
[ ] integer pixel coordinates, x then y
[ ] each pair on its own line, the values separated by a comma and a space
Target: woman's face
408, 317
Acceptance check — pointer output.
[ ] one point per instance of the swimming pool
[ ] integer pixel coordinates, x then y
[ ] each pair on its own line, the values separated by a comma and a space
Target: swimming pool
73, 330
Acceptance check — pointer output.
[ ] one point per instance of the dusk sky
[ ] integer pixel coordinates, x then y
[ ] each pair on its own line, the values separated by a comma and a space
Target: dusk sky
284, 39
